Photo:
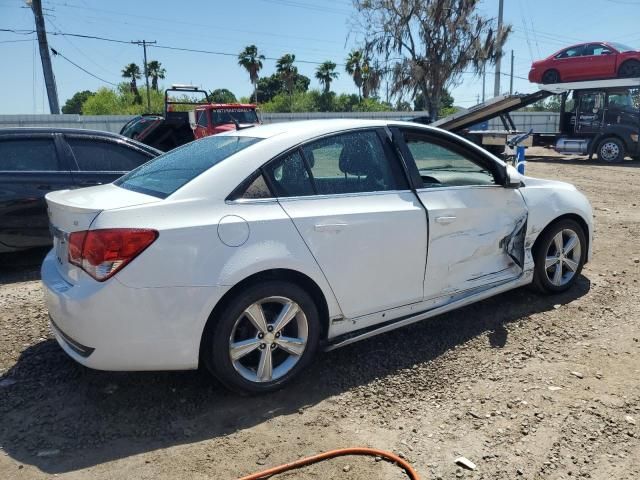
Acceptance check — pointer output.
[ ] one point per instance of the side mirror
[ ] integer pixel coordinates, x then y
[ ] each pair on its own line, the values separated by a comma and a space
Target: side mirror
514, 178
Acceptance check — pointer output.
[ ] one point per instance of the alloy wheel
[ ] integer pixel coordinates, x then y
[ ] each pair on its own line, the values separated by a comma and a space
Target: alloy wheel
268, 339
563, 257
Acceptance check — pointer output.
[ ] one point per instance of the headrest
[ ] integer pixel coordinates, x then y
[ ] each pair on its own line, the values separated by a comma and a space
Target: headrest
356, 157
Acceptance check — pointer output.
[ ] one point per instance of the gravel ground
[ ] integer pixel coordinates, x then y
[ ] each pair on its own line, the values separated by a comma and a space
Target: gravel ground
524, 386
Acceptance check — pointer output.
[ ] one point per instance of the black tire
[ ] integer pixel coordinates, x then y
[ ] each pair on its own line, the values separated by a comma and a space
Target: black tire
611, 150
630, 68
541, 249
551, 76
218, 336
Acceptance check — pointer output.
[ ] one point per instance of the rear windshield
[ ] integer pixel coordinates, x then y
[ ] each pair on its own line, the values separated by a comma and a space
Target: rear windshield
167, 173
622, 47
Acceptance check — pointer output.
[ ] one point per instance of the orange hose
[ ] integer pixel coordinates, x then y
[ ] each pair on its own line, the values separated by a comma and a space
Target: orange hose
411, 473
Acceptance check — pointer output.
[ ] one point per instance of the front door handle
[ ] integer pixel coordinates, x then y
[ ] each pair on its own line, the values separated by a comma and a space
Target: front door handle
446, 220
329, 227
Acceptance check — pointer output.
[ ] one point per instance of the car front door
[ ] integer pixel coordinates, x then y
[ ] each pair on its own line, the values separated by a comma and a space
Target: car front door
30, 167
476, 225
600, 61
349, 199
101, 160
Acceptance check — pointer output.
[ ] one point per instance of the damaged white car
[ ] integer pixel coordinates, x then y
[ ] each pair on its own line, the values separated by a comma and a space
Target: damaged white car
250, 250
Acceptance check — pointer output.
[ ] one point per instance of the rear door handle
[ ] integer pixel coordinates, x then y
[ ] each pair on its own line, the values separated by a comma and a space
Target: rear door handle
329, 227
446, 220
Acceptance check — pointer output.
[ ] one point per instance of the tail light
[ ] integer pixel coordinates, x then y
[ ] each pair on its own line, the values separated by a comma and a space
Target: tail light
102, 253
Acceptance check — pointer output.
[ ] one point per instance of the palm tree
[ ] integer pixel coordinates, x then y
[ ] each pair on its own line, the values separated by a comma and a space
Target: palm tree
371, 78
252, 62
132, 71
355, 61
326, 73
155, 71
287, 72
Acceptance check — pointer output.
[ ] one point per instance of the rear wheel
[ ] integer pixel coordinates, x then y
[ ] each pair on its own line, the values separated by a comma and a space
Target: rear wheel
630, 68
551, 76
265, 336
611, 150
559, 256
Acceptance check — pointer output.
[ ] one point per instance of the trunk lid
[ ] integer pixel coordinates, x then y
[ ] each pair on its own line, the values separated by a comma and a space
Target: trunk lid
74, 210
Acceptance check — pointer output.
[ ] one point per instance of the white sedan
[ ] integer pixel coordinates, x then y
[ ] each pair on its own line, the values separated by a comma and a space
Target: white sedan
248, 251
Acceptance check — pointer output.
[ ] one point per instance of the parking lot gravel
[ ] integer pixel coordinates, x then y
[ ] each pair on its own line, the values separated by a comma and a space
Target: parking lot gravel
522, 385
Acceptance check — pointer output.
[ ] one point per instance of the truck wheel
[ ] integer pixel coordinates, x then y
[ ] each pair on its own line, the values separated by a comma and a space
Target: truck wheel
630, 68
551, 76
611, 150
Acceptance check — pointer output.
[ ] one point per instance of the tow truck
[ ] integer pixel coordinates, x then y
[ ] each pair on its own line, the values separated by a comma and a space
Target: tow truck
599, 117
176, 127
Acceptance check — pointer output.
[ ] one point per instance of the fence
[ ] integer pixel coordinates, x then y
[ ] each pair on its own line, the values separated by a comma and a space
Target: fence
541, 122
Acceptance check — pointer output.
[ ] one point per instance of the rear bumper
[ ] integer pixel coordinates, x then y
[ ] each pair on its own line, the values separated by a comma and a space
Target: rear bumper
109, 326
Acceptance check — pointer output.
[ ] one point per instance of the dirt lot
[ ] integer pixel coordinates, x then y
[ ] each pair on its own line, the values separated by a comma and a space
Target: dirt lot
524, 386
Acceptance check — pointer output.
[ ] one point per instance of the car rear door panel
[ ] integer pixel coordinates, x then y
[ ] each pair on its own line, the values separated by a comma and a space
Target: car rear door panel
371, 248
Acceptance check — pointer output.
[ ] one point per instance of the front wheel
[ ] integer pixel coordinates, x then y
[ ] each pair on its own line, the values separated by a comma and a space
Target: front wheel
630, 68
264, 337
551, 76
611, 150
559, 256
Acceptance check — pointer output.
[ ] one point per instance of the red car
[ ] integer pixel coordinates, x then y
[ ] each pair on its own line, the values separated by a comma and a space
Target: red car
587, 61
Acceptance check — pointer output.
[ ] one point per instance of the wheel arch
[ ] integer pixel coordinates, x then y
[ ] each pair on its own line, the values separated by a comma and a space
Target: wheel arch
626, 62
283, 274
568, 216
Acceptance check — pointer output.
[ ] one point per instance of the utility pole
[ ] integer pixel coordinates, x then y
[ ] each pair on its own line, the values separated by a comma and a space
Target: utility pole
511, 76
144, 44
484, 78
47, 70
496, 87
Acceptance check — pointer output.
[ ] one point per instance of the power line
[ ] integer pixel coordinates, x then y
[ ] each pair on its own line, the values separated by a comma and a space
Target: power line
58, 54
16, 41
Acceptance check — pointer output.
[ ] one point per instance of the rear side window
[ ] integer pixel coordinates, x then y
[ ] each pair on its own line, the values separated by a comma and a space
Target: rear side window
100, 156
34, 154
167, 173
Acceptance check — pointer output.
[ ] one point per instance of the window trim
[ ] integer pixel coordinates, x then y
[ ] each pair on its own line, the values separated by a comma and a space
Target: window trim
389, 157
478, 158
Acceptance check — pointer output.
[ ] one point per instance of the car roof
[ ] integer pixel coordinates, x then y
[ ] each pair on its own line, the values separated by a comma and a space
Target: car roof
313, 128
76, 131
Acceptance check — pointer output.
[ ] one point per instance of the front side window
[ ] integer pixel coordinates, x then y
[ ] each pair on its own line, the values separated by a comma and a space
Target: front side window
596, 49
441, 166
167, 173
28, 155
571, 52
101, 156
202, 118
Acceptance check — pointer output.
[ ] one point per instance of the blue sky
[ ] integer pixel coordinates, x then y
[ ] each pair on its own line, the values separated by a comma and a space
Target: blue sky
314, 30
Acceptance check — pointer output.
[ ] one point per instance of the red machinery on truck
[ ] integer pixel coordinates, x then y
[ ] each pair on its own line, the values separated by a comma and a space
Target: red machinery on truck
176, 128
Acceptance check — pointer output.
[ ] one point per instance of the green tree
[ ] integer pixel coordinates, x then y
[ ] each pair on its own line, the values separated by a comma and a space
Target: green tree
353, 67
326, 73
132, 72
120, 101
287, 72
222, 95
74, 104
437, 40
155, 71
251, 60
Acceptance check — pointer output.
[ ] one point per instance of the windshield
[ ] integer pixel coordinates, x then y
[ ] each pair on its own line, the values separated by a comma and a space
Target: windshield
227, 115
165, 174
622, 47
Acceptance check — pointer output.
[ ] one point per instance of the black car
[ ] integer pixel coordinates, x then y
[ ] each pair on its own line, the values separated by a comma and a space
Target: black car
36, 161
